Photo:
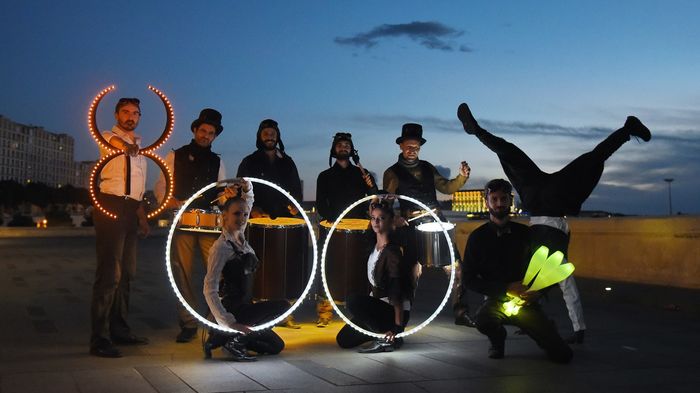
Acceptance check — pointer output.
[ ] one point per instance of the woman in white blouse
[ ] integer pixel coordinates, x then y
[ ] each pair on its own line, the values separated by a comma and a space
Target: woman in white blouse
232, 262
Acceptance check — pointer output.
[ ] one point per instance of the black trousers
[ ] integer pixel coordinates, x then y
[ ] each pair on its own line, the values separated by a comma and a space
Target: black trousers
262, 342
116, 241
553, 194
370, 314
531, 320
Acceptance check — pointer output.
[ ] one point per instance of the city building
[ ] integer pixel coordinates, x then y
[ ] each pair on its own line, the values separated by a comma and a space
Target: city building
31, 154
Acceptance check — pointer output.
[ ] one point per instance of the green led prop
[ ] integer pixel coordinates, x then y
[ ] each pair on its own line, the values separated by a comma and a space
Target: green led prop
544, 270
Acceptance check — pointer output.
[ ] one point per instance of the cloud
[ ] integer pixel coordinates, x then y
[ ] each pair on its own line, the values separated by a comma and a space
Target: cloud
444, 171
432, 35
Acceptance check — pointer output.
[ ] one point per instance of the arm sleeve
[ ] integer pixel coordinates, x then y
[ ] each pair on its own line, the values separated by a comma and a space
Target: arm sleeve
322, 203
470, 273
393, 263
391, 182
160, 186
448, 186
295, 182
215, 265
222, 171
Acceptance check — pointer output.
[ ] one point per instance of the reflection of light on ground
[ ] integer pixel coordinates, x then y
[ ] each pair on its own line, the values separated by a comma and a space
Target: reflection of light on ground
310, 335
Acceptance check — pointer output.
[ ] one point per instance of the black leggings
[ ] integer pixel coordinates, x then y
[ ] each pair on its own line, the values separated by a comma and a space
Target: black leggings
531, 319
262, 342
553, 194
370, 314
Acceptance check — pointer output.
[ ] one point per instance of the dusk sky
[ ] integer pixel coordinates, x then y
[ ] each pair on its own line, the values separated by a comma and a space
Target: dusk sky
554, 77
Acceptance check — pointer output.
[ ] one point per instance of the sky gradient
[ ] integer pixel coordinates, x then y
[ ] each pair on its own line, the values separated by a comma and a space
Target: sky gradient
553, 77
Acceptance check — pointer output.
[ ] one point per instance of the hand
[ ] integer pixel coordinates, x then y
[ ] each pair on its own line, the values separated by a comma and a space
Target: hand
417, 271
174, 204
530, 296
368, 179
131, 149
241, 328
292, 210
464, 169
144, 229
516, 289
400, 222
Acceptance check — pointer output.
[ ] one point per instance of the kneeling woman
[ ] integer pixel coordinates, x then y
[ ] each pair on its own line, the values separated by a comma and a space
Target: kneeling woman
386, 310
233, 262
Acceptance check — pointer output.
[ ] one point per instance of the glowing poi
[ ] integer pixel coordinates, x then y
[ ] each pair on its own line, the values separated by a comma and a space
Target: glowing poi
444, 227
542, 271
114, 152
182, 300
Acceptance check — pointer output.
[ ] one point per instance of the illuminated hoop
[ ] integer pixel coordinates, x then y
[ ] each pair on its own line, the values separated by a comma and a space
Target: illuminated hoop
328, 292
114, 152
192, 311
106, 159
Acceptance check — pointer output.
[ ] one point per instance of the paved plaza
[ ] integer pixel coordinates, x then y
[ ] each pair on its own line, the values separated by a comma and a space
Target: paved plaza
639, 339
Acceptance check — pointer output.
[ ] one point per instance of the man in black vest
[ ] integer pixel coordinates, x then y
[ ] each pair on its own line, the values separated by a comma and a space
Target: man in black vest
419, 179
336, 188
193, 166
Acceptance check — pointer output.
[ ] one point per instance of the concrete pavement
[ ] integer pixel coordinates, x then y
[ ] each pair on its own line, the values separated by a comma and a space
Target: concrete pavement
639, 338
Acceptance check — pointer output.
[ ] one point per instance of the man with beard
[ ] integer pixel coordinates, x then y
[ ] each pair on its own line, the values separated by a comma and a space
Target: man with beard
271, 163
343, 183
337, 188
193, 167
419, 179
122, 185
495, 260
550, 197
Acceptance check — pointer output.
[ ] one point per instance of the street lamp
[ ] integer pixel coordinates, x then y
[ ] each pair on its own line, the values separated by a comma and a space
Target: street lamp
670, 206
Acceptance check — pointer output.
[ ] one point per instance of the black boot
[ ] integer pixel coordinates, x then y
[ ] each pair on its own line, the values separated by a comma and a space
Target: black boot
576, 338
636, 128
236, 348
471, 126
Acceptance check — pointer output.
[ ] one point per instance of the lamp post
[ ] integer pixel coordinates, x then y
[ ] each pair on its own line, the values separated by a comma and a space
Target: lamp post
670, 206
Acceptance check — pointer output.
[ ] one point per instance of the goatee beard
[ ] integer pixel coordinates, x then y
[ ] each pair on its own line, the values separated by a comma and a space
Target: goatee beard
499, 214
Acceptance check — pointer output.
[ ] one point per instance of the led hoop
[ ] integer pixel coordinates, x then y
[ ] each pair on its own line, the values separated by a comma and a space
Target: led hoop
328, 292
106, 159
114, 152
193, 312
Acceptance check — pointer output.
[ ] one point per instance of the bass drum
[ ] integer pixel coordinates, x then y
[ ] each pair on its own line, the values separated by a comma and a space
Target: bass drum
282, 247
346, 257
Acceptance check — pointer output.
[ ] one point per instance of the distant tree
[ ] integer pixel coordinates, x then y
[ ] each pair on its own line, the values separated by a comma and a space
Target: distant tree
38, 194
11, 193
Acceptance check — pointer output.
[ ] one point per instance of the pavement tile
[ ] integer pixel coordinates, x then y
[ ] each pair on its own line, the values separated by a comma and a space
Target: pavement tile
38, 383
214, 376
117, 380
164, 380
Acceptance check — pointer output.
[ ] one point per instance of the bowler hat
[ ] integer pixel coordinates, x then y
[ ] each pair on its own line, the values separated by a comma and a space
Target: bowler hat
208, 116
411, 131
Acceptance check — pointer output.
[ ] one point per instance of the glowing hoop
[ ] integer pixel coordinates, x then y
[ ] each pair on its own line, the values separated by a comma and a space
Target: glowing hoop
328, 292
192, 311
106, 159
114, 152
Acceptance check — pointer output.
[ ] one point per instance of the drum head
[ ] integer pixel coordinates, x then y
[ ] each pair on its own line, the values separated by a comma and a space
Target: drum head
348, 224
435, 226
279, 222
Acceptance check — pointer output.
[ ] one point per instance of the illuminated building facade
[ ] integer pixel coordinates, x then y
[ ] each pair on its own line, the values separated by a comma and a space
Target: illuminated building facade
31, 154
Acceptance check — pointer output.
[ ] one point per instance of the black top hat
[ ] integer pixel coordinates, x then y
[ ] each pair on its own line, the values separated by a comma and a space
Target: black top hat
411, 131
208, 116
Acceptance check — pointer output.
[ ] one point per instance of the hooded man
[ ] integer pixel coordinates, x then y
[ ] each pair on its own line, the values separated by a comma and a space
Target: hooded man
270, 162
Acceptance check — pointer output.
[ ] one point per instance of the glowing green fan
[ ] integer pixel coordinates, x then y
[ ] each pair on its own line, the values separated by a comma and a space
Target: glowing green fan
544, 270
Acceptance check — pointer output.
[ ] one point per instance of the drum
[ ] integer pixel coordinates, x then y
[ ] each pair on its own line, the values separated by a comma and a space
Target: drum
433, 250
282, 247
198, 220
346, 257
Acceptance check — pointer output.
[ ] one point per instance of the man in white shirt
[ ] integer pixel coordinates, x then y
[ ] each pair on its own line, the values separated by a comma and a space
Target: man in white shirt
123, 182
193, 166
